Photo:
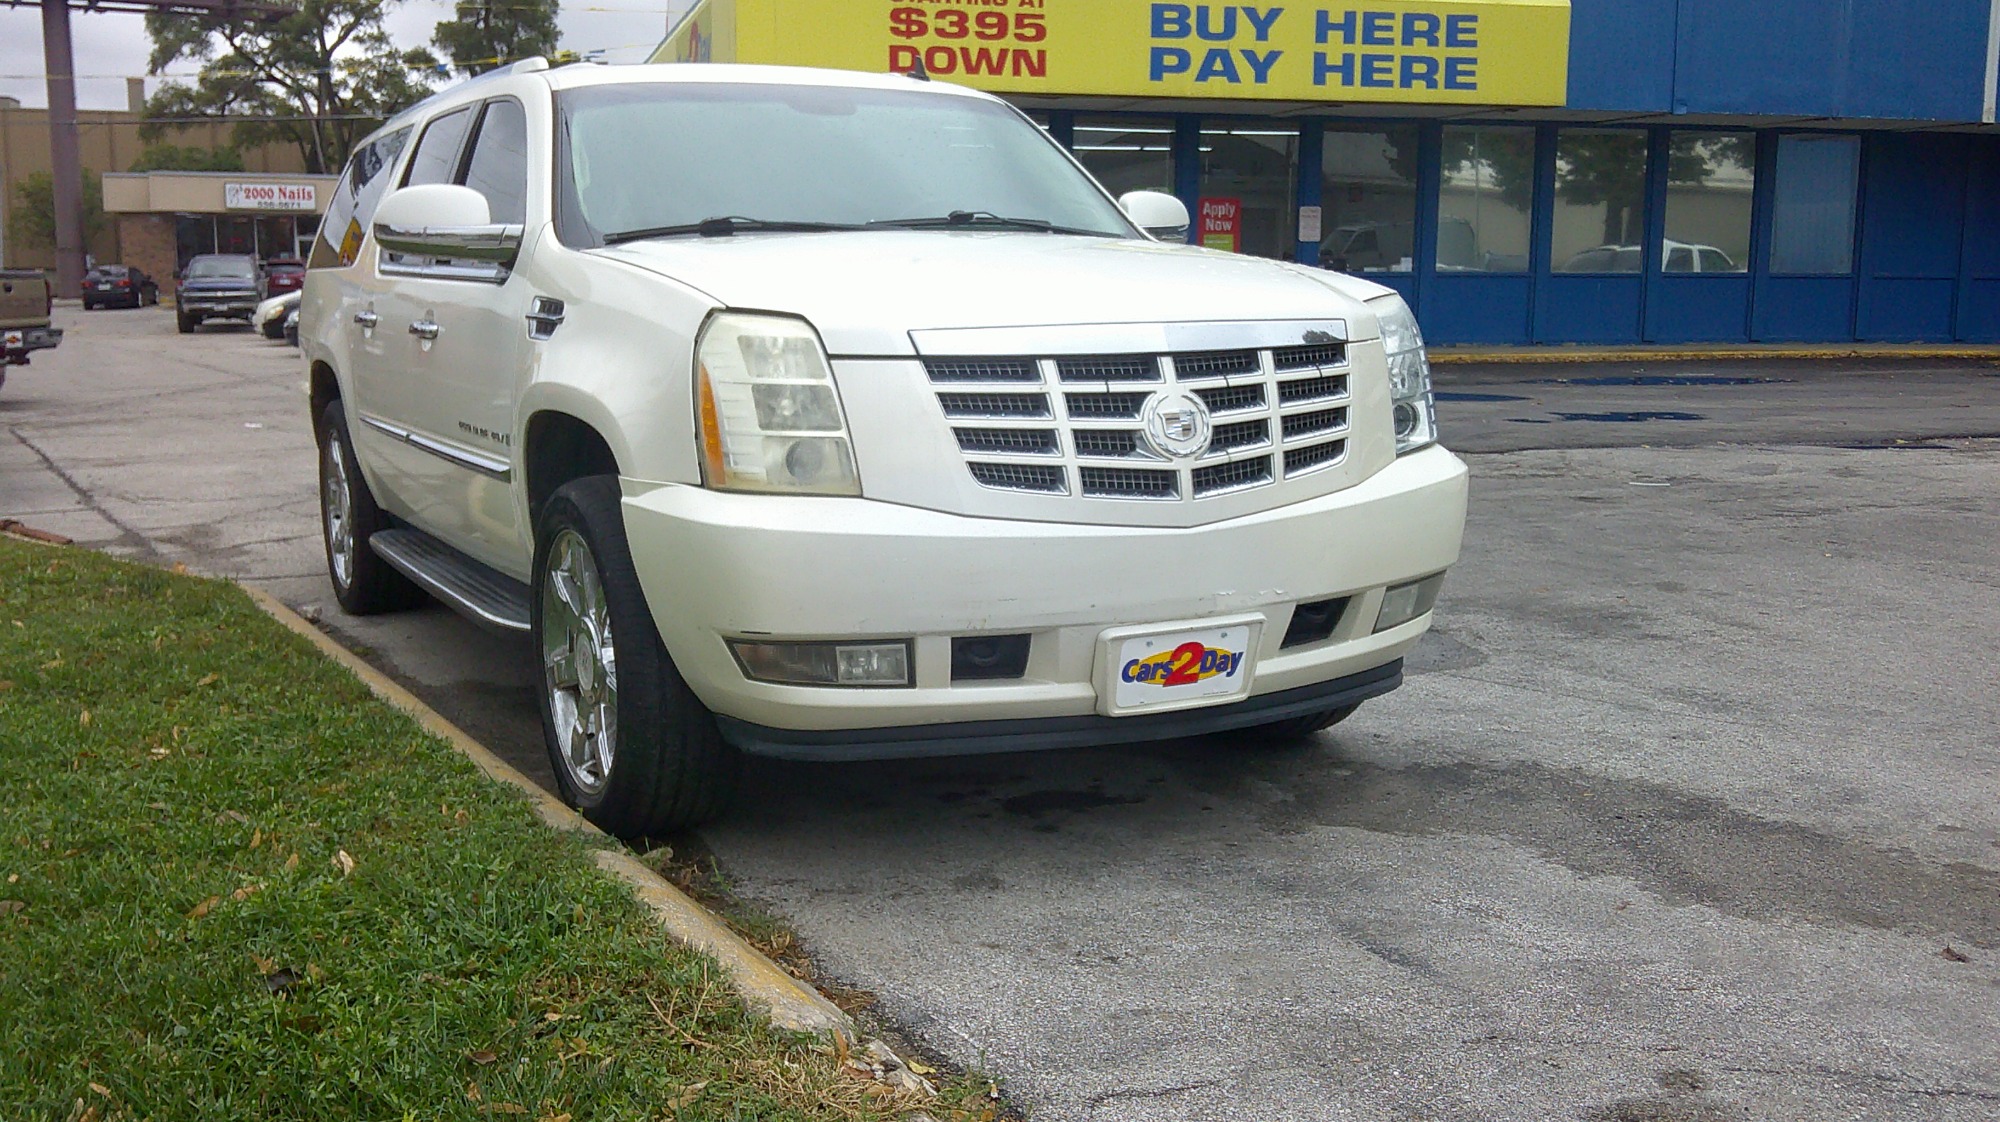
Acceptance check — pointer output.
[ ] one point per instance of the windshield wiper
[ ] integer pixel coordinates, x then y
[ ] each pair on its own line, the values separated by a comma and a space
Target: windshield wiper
985, 219
724, 226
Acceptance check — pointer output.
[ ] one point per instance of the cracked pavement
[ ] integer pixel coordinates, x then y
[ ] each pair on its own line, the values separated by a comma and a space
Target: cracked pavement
1682, 802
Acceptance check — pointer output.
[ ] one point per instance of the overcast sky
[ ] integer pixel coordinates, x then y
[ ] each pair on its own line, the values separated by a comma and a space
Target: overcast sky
111, 46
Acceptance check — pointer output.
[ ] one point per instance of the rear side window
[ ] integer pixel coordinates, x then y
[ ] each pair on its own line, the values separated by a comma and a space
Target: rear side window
499, 165
436, 160
353, 202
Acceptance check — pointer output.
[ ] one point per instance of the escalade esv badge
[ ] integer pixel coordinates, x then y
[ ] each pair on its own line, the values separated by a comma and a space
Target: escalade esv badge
1178, 424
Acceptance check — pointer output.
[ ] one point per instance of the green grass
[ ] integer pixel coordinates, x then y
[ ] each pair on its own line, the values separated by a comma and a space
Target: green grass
182, 785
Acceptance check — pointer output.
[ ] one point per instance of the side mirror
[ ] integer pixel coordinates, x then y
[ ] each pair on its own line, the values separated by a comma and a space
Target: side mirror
1159, 214
444, 220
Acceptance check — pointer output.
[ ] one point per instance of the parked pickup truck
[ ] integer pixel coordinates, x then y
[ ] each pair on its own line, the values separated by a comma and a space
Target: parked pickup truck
25, 308
835, 416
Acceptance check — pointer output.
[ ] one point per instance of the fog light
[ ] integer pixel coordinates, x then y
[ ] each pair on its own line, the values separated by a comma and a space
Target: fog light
1406, 602
825, 664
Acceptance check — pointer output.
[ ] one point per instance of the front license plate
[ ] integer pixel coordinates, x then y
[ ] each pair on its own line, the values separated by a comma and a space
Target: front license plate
1151, 671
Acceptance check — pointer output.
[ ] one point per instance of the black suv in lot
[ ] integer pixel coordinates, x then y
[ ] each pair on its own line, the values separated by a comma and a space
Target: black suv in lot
218, 286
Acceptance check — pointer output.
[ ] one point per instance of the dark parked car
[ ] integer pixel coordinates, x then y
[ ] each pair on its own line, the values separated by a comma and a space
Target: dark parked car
118, 286
286, 274
218, 286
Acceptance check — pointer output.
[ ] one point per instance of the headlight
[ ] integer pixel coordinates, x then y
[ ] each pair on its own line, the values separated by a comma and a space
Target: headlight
770, 416
1409, 374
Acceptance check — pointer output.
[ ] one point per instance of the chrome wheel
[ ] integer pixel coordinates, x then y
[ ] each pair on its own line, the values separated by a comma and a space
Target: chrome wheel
338, 503
579, 663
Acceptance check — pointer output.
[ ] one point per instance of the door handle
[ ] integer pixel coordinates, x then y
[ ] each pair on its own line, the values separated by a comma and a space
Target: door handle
424, 329
367, 320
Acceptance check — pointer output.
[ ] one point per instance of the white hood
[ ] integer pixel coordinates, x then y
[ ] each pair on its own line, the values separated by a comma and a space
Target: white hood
866, 290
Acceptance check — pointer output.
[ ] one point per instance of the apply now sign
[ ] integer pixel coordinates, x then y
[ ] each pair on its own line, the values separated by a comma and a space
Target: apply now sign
1479, 52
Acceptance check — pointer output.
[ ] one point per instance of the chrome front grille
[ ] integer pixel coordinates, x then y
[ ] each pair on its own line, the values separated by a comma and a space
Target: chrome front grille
1074, 425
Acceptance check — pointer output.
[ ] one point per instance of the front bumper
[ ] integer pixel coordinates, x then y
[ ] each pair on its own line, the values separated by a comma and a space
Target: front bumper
715, 566
218, 306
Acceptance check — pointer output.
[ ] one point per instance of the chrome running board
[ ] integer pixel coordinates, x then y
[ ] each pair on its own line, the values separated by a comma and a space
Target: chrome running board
484, 595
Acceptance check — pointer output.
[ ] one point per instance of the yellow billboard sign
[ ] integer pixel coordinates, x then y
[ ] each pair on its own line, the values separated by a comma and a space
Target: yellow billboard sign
1473, 52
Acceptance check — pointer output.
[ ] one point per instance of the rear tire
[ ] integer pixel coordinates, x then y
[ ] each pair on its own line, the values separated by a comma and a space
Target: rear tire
631, 745
362, 582
1297, 728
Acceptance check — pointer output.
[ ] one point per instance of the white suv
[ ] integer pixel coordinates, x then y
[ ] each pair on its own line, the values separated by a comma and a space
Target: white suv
834, 416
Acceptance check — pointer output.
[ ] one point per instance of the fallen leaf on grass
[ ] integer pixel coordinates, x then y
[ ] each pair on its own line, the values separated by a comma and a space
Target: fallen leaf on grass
472, 1093
181, 567
1953, 955
291, 862
919, 1067
246, 892
52, 663
89, 1114
344, 863
84, 719
256, 838
692, 1093
204, 907
160, 753
264, 965
508, 1108
101, 1089
563, 1117
235, 816
208, 679
481, 1057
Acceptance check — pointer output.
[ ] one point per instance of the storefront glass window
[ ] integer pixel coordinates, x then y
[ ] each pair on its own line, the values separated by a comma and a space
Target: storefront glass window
1368, 199
1127, 153
1711, 177
1484, 203
1248, 189
1812, 211
1600, 211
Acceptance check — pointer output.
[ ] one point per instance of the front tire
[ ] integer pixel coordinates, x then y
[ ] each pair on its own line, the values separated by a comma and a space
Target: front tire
186, 323
362, 582
631, 745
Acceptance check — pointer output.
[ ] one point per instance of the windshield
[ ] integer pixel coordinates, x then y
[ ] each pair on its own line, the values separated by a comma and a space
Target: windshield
221, 267
642, 157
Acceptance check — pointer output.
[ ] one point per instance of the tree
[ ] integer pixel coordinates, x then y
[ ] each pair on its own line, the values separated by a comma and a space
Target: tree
1607, 169
33, 220
484, 34
176, 157
321, 78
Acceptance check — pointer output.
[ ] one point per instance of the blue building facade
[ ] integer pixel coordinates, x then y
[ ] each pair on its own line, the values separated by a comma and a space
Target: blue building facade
1721, 171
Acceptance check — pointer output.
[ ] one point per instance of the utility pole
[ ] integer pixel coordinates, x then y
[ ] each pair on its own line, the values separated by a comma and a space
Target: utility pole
68, 170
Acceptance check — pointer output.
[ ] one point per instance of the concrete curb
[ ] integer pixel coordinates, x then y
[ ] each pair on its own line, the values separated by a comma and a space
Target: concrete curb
788, 1002
1452, 356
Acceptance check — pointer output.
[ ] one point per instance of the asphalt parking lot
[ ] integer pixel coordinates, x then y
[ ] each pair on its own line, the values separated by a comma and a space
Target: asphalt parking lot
1684, 800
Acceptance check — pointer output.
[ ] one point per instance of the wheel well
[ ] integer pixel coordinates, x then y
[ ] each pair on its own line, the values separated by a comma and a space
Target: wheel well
325, 388
561, 448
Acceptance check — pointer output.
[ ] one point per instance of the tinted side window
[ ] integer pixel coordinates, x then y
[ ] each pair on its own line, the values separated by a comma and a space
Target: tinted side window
499, 166
436, 160
353, 202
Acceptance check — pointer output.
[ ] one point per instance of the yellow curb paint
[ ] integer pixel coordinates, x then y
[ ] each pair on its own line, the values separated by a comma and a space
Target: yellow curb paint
788, 1002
